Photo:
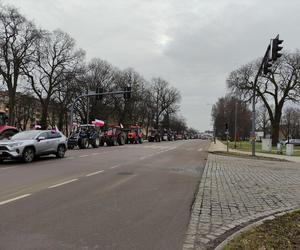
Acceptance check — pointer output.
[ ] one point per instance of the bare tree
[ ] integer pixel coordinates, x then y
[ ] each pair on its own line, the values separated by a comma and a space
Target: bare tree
164, 98
223, 111
17, 38
290, 123
273, 90
263, 120
55, 59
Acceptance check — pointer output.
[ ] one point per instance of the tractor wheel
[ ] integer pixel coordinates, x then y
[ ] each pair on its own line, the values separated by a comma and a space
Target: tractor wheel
121, 140
83, 143
96, 142
115, 142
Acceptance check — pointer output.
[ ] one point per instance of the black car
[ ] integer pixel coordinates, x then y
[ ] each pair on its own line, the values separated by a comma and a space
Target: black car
84, 136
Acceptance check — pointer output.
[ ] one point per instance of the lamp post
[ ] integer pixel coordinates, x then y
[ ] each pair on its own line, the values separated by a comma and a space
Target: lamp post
235, 122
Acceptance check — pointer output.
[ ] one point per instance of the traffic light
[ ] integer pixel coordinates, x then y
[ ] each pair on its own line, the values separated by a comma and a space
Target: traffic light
267, 66
276, 48
99, 91
127, 95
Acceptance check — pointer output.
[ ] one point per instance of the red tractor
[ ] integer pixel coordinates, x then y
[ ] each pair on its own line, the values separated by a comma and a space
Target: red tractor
113, 136
135, 135
6, 131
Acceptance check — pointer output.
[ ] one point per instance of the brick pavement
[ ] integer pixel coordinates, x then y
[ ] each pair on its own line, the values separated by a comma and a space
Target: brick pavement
235, 191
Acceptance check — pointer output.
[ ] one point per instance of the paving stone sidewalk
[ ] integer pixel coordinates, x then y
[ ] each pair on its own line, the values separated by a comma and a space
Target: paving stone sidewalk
235, 191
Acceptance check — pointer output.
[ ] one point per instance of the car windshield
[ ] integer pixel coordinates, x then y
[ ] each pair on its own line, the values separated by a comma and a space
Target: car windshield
26, 135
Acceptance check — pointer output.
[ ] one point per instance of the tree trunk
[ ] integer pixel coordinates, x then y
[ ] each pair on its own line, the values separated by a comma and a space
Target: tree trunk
276, 129
11, 111
44, 122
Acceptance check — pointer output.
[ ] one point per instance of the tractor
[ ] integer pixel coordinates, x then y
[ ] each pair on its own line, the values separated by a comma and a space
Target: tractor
113, 136
135, 135
154, 136
84, 136
6, 131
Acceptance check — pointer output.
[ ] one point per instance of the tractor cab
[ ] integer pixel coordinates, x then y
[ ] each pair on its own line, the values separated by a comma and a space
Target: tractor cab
6, 131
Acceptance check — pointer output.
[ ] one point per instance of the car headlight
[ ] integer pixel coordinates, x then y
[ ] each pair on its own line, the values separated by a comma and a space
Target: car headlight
17, 144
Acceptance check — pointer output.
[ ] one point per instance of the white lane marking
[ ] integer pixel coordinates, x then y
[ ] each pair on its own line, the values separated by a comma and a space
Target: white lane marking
95, 153
14, 199
83, 156
116, 166
144, 157
94, 173
63, 183
200, 149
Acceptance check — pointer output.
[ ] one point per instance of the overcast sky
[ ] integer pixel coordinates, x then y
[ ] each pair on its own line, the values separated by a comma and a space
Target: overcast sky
193, 44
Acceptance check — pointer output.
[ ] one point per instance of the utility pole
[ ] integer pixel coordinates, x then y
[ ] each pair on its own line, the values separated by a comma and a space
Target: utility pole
271, 55
235, 123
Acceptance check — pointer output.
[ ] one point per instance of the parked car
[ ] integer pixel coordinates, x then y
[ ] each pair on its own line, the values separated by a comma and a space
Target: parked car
295, 142
27, 145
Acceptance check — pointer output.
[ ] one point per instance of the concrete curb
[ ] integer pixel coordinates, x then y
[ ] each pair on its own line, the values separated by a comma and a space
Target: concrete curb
254, 224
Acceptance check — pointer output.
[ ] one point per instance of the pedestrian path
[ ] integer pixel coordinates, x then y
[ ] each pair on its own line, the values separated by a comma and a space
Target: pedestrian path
235, 191
220, 147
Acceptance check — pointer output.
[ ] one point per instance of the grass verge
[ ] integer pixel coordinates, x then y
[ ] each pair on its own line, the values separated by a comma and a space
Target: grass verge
245, 156
281, 233
247, 147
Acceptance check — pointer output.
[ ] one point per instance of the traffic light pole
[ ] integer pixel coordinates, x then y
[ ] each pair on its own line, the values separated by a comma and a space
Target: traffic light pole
254, 98
92, 94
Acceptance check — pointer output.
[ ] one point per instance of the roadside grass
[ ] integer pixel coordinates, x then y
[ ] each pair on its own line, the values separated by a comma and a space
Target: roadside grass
247, 147
281, 233
246, 156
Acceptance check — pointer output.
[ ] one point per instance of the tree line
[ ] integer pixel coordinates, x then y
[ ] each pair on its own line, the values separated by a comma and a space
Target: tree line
47, 66
278, 97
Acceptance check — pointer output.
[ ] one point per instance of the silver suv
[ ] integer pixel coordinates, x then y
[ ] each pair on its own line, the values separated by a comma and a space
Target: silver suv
28, 144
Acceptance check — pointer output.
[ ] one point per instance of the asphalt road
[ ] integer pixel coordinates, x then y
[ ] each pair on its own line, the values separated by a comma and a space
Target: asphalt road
129, 197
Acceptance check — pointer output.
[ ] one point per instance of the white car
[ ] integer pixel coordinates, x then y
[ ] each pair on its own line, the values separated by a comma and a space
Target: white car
27, 145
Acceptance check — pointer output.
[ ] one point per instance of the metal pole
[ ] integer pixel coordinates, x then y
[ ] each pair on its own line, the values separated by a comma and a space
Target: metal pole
235, 123
254, 98
87, 111
253, 118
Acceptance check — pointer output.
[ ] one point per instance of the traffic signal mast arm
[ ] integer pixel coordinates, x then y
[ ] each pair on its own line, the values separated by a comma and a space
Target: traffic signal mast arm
126, 92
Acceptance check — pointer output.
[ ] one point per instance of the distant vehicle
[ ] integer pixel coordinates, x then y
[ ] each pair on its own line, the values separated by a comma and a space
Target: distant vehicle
164, 135
27, 145
171, 136
154, 136
135, 135
6, 131
179, 137
114, 136
84, 136
295, 142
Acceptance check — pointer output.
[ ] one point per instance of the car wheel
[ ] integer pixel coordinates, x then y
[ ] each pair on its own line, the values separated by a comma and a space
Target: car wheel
28, 155
60, 151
